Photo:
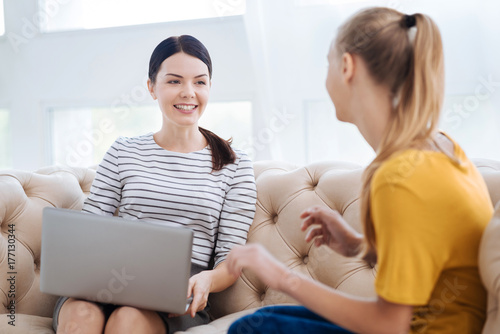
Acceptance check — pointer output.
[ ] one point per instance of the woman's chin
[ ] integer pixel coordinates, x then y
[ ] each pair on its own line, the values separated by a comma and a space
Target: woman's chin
340, 116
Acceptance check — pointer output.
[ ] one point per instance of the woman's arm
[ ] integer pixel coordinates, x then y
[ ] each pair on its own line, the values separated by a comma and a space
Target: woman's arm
106, 190
238, 209
206, 282
360, 315
236, 217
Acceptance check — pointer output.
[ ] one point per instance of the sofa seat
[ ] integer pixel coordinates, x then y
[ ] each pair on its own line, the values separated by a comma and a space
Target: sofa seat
283, 192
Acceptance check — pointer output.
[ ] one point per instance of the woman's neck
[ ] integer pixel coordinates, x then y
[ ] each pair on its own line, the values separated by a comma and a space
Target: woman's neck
373, 114
180, 139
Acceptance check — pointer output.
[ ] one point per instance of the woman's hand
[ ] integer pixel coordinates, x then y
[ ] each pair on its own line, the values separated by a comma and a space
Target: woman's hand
258, 260
199, 287
204, 283
332, 230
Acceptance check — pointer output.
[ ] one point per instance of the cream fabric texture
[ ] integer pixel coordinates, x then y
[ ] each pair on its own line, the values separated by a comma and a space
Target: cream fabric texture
283, 192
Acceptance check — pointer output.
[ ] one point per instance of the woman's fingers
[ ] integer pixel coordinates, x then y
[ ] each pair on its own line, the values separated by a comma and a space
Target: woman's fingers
312, 219
310, 211
317, 215
314, 232
306, 223
196, 305
318, 242
190, 287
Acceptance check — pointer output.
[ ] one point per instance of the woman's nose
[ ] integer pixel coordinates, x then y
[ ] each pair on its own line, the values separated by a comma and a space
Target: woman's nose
187, 91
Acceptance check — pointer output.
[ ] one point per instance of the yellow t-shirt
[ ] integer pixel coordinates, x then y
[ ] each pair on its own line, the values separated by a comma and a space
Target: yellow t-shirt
429, 213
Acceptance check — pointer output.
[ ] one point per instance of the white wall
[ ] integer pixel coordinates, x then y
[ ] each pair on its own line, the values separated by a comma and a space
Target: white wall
99, 67
275, 56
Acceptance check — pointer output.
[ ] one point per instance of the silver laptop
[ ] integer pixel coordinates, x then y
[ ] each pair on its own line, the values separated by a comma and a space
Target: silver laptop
115, 260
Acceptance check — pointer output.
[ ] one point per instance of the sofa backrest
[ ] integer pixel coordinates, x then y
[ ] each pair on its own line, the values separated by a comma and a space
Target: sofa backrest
284, 191
23, 195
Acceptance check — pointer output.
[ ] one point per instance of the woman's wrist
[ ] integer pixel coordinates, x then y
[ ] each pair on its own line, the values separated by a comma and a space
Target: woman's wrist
288, 282
220, 278
354, 245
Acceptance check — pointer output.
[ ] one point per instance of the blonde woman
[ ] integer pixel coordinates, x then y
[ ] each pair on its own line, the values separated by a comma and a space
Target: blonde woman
424, 205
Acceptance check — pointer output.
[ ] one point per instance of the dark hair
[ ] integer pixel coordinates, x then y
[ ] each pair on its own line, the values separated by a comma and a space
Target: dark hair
222, 153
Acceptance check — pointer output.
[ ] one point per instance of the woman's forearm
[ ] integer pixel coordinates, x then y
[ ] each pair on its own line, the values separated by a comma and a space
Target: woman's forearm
221, 279
360, 315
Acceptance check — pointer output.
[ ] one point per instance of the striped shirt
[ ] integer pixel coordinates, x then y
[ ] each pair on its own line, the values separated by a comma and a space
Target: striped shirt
144, 181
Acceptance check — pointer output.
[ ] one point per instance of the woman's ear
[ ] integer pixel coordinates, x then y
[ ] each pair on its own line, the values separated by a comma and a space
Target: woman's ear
151, 88
348, 67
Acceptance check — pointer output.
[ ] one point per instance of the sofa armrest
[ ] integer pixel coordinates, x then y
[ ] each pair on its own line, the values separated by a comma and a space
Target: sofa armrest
489, 268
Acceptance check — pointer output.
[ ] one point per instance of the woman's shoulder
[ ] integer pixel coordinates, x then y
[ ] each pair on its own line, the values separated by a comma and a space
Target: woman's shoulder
240, 154
418, 165
241, 158
399, 167
134, 141
140, 139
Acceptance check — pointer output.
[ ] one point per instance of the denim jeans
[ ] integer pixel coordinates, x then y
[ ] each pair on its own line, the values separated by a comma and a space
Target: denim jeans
285, 320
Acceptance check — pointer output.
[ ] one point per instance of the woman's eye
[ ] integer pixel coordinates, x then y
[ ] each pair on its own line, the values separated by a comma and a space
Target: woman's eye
173, 81
201, 83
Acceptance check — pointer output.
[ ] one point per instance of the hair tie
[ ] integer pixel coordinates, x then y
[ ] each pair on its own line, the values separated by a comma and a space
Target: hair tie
409, 21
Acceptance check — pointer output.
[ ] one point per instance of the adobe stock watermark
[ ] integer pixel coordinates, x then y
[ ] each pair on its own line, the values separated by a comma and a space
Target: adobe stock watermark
449, 294
12, 275
406, 167
31, 28
121, 108
227, 7
455, 116
116, 285
278, 122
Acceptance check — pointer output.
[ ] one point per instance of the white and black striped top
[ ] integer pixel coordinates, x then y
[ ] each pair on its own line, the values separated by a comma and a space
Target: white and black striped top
145, 181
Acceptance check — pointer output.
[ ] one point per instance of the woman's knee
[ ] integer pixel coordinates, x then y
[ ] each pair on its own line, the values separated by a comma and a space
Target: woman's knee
127, 319
80, 316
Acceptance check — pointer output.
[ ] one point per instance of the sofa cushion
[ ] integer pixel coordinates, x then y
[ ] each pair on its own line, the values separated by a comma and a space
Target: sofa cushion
25, 323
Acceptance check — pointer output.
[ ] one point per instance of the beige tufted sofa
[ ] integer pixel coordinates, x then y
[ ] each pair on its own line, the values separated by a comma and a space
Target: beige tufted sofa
283, 190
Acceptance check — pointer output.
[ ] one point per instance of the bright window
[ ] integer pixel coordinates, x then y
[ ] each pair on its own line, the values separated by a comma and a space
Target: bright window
326, 138
230, 120
81, 136
5, 146
2, 19
91, 14
474, 122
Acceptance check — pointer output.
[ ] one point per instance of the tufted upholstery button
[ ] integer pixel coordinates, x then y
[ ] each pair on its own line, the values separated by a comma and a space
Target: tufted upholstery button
263, 296
275, 218
36, 264
305, 259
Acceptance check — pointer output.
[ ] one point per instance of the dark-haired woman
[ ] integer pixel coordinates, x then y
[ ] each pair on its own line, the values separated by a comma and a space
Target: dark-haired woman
182, 175
424, 205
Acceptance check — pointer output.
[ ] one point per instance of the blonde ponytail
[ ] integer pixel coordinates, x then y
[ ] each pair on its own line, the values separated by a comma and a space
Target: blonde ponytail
412, 67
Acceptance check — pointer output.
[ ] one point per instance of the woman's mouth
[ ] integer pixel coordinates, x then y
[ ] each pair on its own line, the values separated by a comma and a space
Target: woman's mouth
186, 108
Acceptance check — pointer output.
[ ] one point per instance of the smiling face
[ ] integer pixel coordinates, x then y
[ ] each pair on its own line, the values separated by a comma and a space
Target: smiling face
182, 88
